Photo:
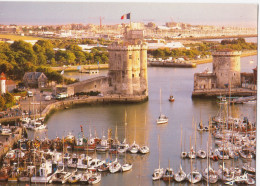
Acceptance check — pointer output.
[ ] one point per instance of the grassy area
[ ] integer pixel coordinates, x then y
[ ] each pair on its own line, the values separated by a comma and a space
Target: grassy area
18, 37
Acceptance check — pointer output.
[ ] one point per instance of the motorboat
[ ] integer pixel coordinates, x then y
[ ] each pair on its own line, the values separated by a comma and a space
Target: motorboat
73, 161
75, 177
162, 119
222, 154
85, 177
171, 98
246, 167
94, 164
44, 174
127, 167
103, 146
104, 167
60, 177
5, 132
94, 179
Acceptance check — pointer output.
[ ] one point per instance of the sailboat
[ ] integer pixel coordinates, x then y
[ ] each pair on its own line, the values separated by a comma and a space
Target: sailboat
168, 174
180, 175
115, 166
144, 149
134, 147
126, 166
123, 147
158, 173
162, 119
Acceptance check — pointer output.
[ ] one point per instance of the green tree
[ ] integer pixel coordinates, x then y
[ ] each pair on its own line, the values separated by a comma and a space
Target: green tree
2, 102
70, 57
9, 98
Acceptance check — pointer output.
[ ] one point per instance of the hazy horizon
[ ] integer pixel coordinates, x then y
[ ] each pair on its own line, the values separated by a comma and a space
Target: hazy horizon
55, 13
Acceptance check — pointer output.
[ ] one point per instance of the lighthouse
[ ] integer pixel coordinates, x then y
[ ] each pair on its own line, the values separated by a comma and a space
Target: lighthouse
3, 80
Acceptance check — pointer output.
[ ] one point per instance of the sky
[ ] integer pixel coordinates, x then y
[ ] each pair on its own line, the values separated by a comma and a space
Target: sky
52, 13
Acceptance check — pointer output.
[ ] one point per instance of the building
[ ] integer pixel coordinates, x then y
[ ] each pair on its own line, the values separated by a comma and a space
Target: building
225, 75
128, 65
35, 79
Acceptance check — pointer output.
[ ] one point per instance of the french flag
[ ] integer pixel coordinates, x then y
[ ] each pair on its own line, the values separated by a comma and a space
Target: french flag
126, 16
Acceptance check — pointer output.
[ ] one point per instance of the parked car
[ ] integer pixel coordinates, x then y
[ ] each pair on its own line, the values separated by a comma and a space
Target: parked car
47, 98
30, 94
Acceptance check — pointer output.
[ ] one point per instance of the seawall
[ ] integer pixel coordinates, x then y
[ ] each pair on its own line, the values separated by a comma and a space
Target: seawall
223, 92
171, 64
60, 105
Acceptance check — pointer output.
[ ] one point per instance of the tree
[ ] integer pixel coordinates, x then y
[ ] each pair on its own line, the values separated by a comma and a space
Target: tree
2, 102
9, 98
70, 57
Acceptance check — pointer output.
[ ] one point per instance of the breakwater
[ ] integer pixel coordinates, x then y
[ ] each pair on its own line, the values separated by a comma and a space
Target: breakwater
68, 103
171, 64
223, 92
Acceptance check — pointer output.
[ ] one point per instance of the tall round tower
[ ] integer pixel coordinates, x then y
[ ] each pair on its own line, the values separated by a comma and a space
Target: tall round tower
3, 80
226, 67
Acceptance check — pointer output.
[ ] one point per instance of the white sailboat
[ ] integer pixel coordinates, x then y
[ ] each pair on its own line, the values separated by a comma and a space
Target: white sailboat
115, 167
158, 173
162, 119
134, 148
144, 149
123, 147
180, 175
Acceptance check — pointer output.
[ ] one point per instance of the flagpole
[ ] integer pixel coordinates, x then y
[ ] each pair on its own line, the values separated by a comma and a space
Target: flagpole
130, 22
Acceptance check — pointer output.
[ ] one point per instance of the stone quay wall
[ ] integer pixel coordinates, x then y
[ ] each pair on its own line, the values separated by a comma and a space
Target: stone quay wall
223, 92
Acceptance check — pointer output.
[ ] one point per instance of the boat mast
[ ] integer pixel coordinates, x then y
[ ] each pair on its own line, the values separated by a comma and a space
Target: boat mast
191, 164
181, 142
135, 126
160, 101
208, 163
159, 149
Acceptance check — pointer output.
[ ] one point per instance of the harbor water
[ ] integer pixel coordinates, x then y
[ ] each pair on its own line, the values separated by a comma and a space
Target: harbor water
141, 123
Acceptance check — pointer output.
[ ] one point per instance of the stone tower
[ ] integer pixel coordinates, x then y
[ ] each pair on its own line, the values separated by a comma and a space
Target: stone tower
128, 65
226, 67
3, 80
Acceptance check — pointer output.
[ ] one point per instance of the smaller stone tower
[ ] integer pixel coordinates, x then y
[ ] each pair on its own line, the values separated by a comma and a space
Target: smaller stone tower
226, 67
3, 80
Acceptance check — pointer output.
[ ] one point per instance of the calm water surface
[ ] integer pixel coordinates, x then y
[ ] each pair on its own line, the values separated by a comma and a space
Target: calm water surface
181, 113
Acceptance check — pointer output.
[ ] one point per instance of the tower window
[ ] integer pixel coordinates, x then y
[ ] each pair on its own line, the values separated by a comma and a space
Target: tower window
133, 75
130, 56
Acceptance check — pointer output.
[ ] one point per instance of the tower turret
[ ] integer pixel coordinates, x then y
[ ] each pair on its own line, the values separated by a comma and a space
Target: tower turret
226, 67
